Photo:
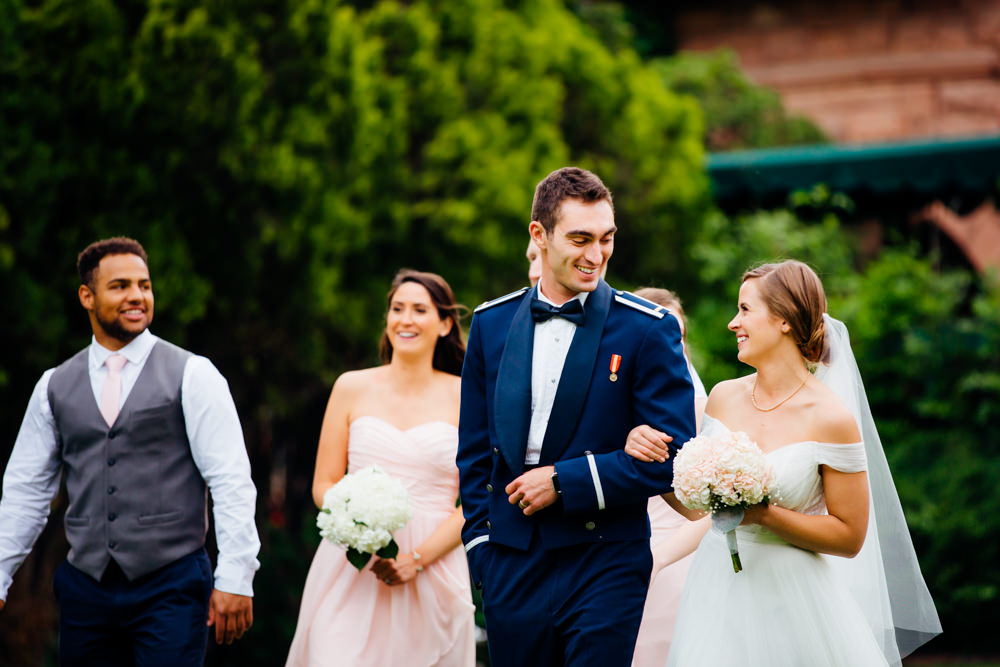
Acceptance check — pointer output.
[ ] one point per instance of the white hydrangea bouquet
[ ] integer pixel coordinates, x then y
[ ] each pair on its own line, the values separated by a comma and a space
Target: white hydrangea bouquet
723, 474
360, 513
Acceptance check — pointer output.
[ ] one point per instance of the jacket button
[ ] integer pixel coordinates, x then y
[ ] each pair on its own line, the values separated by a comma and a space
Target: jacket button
112, 434
489, 525
111, 490
112, 516
590, 525
112, 544
111, 461
489, 487
496, 451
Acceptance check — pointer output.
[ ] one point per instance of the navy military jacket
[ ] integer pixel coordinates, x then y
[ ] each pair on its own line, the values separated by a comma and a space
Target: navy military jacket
604, 491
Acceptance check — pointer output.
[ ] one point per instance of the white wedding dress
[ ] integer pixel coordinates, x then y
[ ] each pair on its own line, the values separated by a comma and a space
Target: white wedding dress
789, 607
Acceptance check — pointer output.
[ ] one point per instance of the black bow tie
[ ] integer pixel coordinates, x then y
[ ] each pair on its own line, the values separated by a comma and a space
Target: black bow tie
572, 310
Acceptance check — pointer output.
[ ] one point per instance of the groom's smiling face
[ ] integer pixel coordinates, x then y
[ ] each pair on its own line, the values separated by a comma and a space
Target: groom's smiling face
575, 255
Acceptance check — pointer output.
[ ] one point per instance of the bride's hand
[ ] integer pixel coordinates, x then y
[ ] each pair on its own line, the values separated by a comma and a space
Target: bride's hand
647, 444
754, 514
398, 570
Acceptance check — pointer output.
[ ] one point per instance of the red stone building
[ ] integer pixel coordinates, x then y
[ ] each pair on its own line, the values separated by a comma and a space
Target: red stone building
866, 71
916, 80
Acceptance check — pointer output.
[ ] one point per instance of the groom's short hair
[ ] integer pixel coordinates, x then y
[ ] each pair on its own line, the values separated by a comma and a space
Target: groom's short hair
562, 184
91, 256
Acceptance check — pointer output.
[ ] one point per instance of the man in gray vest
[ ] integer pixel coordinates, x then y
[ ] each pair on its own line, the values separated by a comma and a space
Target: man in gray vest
142, 430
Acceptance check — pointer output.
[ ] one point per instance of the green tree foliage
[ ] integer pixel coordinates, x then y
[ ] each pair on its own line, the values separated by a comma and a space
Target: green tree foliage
281, 160
738, 113
931, 360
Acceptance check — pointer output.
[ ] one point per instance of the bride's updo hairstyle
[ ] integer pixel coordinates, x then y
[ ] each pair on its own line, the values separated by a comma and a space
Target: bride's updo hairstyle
792, 291
449, 352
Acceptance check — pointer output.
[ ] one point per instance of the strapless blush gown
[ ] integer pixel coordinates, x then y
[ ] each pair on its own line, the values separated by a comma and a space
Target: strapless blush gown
351, 618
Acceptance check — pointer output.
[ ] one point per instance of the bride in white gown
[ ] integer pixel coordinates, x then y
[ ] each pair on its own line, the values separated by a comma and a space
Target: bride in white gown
813, 589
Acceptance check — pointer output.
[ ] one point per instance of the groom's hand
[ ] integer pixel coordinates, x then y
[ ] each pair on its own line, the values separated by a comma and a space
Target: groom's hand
231, 614
533, 491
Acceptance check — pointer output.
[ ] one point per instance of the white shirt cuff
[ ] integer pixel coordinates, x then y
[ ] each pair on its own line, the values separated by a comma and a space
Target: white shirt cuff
5, 582
234, 579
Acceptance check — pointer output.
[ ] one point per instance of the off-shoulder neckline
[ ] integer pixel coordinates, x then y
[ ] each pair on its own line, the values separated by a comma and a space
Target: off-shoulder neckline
789, 444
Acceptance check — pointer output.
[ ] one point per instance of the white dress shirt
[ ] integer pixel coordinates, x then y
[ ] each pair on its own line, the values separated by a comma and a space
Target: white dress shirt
548, 356
32, 477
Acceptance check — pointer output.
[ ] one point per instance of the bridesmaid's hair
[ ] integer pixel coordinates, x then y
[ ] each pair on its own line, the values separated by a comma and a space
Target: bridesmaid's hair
792, 291
450, 349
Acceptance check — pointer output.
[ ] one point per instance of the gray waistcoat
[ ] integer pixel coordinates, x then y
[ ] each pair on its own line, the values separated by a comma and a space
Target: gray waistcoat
135, 494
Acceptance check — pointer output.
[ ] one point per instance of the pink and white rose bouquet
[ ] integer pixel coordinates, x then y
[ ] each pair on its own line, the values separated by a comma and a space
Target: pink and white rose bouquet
723, 474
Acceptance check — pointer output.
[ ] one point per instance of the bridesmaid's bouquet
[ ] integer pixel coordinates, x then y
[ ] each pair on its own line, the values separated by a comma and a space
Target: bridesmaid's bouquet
723, 474
360, 513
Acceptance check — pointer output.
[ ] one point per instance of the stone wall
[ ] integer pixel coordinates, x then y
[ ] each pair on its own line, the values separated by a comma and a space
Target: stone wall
881, 70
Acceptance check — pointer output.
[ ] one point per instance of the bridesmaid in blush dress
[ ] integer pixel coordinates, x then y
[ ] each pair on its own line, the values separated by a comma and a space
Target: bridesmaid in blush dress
660, 613
415, 609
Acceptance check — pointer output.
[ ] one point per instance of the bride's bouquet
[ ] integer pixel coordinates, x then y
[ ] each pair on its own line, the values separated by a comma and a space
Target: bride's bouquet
723, 474
360, 513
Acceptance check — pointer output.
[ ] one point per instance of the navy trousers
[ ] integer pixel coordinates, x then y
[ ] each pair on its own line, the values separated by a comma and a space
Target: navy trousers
578, 605
158, 620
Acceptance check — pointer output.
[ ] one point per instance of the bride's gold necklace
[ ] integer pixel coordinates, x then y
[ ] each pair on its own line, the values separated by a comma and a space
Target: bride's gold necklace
753, 396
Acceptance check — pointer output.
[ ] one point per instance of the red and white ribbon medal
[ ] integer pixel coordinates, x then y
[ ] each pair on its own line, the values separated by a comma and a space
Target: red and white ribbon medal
616, 362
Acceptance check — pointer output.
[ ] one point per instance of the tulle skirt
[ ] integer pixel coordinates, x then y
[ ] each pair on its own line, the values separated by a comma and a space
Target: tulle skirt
785, 609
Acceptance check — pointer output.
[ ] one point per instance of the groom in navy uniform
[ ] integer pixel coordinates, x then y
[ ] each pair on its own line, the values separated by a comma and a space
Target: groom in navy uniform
554, 379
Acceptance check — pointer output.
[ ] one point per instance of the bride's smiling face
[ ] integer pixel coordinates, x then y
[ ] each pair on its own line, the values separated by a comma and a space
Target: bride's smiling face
757, 329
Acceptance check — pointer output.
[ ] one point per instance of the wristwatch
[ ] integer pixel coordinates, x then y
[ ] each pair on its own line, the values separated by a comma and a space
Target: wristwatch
555, 483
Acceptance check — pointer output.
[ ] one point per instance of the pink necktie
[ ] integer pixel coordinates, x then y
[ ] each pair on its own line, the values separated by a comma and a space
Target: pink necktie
112, 392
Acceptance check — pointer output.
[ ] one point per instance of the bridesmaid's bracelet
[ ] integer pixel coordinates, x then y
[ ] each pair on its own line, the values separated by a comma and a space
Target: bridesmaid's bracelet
416, 559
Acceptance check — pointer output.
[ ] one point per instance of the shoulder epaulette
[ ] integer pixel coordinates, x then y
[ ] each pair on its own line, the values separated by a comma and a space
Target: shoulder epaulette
503, 299
640, 304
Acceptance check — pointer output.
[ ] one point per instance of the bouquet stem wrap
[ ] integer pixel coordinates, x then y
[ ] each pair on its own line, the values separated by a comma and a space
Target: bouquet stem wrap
725, 521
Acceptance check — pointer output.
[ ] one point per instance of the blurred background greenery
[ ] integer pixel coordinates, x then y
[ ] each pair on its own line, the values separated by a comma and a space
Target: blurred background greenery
281, 159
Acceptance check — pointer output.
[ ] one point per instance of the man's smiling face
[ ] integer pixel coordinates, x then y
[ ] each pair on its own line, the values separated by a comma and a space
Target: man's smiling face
120, 300
576, 253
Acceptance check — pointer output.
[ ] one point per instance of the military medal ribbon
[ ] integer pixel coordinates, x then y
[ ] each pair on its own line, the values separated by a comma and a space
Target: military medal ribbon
616, 362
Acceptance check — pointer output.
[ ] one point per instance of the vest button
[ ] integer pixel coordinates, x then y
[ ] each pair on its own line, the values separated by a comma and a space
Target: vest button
112, 544
111, 490
111, 461
590, 525
489, 487
112, 516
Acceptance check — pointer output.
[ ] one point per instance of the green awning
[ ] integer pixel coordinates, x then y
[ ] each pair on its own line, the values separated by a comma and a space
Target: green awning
927, 168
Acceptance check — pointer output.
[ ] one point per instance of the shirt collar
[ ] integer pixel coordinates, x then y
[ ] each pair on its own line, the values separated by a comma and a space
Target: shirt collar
136, 351
580, 296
